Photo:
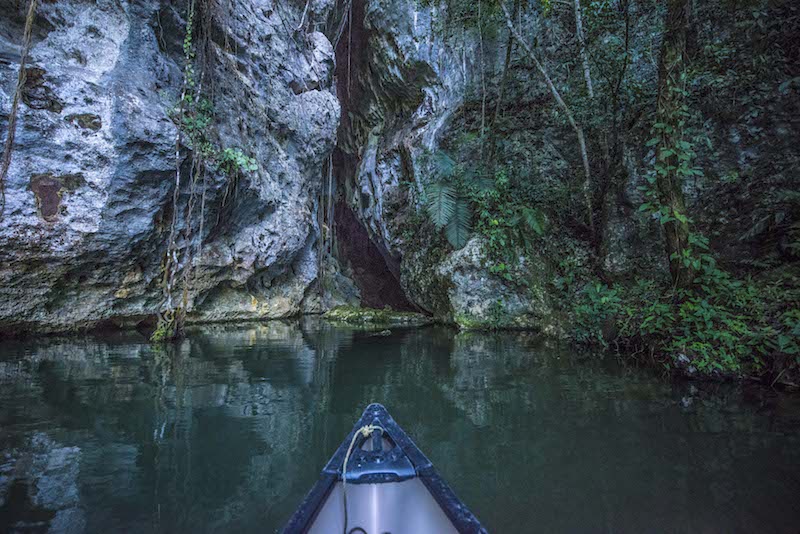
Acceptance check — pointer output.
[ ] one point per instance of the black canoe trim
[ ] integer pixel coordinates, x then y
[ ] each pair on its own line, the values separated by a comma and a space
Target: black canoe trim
456, 511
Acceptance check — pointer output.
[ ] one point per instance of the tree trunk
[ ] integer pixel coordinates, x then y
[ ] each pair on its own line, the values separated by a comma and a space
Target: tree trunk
582, 42
501, 90
671, 99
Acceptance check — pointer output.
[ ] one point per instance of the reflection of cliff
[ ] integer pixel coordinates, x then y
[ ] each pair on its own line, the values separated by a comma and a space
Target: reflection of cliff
184, 433
229, 429
50, 495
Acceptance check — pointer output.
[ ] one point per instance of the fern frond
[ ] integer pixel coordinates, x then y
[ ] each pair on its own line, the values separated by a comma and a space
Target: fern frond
440, 203
762, 225
444, 165
534, 220
788, 196
478, 181
459, 228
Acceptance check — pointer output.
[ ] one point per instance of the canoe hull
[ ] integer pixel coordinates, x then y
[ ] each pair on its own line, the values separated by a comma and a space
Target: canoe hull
411, 499
395, 507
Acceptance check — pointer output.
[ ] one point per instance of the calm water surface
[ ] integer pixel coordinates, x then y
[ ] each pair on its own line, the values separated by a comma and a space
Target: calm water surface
227, 432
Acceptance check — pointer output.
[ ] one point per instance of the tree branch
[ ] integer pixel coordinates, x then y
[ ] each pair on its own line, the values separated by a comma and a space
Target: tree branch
587, 184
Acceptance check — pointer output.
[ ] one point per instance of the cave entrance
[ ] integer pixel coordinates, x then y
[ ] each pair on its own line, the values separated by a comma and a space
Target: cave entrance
374, 269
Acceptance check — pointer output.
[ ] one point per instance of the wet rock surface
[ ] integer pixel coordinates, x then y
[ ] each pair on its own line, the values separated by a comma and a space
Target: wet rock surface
375, 319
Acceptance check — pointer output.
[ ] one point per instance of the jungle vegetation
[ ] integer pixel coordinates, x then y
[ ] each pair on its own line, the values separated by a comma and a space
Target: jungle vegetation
677, 122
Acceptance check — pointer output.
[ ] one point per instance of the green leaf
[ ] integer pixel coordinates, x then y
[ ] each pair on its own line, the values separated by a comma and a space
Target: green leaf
459, 227
534, 220
445, 165
440, 203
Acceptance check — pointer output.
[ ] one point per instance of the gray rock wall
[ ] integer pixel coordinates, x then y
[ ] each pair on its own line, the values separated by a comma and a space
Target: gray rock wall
88, 194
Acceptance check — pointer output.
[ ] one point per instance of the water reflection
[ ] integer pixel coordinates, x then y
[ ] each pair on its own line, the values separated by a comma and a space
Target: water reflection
228, 430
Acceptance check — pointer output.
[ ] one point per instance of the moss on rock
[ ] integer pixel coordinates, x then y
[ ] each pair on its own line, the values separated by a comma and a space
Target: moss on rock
354, 315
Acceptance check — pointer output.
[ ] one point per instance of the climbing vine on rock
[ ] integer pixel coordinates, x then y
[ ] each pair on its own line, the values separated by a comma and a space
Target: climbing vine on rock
12, 117
193, 116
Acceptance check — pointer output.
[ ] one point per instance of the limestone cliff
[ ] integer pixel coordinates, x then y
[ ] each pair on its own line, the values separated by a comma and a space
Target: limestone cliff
89, 191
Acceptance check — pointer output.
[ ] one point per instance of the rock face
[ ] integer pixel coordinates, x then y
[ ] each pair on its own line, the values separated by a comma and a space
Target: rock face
89, 195
412, 89
480, 299
89, 191
398, 108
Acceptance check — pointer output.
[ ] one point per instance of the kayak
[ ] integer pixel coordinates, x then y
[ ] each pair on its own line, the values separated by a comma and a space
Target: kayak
379, 482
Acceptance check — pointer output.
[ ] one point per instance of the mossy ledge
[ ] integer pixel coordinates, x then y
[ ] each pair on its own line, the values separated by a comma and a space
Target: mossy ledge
354, 315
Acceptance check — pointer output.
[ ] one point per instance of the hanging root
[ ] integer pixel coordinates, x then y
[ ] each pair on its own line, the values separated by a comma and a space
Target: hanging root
12, 117
167, 328
170, 320
185, 245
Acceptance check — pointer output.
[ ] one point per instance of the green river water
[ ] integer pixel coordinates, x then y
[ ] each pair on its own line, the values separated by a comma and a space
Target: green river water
227, 432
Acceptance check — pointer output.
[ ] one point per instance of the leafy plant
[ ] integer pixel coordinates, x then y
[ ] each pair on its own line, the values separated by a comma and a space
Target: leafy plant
234, 160
459, 227
440, 203
598, 305
447, 207
509, 226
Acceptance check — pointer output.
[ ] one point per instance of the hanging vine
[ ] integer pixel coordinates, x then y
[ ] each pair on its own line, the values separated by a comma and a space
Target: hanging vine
12, 116
194, 117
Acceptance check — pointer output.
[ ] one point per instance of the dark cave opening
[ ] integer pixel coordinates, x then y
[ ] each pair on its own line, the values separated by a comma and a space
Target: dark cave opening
374, 269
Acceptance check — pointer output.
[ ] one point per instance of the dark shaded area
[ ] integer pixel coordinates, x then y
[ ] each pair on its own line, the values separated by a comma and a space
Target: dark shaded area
375, 271
19, 512
37, 94
47, 188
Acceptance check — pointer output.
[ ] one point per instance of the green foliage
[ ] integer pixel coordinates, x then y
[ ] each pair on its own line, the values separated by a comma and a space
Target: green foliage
168, 327
196, 117
194, 114
597, 305
739, 88
721, 325
446, 200
496, 316
509, 226
502, 210
459, 227
440, 203
233, 160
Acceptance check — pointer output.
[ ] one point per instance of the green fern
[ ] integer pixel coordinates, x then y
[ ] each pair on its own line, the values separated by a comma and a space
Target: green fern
440, 203
534, 220
445, 204
444, 165
460, 226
